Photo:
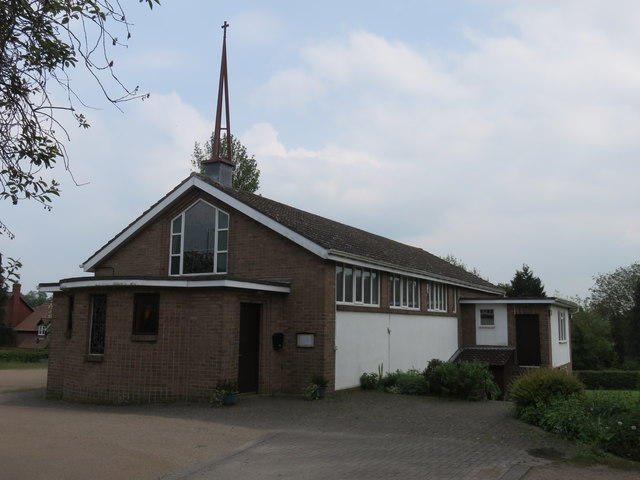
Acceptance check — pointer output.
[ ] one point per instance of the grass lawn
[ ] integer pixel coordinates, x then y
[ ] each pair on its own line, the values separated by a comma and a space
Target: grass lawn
630, 395
22, 365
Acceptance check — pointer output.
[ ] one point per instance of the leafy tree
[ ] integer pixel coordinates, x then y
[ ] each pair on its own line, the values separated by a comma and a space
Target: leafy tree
246, 175
591, 342
612, 297
35, 299
453, 260
524, 284
7, 274
40, 42
633, 325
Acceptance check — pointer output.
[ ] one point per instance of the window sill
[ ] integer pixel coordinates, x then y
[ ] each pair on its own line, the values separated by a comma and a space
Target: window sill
437, 311
563, 342
144, 338
411, 309
94, 358
486, 326
361, 304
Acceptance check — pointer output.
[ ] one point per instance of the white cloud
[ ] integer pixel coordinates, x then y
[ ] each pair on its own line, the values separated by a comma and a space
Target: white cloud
127, 163
523, 148
255, 27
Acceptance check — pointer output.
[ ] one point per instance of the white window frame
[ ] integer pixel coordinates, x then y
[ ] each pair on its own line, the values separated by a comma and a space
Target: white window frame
438, 301
493, 318
358, 292
181, 234
42, 330
408, 295
562, 326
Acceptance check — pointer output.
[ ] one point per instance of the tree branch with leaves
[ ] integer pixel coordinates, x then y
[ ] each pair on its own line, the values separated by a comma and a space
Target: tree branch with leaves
40, 42
246, 175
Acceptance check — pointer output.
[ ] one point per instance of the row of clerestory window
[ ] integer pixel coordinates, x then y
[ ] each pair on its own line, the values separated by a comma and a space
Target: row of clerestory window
361, 286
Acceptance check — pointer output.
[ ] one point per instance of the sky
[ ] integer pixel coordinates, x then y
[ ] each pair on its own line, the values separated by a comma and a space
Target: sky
502, 133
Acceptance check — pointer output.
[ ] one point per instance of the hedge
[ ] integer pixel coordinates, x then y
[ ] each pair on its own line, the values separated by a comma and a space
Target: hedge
609, 379
25, 355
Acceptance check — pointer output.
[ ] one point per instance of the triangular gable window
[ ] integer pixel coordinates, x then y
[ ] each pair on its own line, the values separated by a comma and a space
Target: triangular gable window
199, 240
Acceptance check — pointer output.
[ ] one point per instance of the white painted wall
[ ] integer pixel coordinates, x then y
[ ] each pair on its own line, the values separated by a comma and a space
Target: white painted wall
498, 335
366, 340
560, 352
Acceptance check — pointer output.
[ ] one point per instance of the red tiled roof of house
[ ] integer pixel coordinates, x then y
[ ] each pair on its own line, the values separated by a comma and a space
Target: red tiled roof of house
30, 324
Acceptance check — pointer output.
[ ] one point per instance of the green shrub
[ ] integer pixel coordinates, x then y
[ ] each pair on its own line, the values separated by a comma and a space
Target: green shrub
410, 383
539, 387
609, 379
23, 355
369, 381
607, 421
465, 380
388, 381
433, 379
568, 417
623, 437
605, 403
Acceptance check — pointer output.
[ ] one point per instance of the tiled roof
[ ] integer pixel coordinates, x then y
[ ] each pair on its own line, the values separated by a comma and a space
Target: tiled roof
336, 237
30, 324
493, 355
352, 241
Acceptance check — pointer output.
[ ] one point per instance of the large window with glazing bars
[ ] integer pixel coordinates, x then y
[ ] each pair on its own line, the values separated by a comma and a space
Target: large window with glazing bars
404, 292
437, 297
357, 285
199, 240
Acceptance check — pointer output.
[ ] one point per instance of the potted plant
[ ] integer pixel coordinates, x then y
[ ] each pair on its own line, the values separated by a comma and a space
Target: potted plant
225, 393
311, 391
322, 383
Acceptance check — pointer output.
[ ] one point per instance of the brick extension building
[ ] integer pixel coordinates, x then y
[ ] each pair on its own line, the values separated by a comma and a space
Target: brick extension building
213, 283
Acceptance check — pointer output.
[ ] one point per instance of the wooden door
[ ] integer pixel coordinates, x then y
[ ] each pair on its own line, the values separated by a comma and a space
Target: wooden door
528, 340
249, 349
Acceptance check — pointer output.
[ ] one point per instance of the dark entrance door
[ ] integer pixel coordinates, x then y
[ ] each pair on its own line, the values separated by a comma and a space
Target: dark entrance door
528, 340
249, 350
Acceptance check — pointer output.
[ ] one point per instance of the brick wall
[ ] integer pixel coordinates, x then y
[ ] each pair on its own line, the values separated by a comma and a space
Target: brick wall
199, 328
196, 345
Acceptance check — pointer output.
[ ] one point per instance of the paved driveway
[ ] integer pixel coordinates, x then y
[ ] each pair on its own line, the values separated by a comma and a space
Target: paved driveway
351, 435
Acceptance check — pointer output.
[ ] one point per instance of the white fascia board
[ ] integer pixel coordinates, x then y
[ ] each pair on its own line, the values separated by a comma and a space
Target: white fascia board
220, 195
225, 283
519, 301
49, 288
353, 260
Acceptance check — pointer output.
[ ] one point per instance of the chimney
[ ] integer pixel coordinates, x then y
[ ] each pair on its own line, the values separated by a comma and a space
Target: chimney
220, 166
13, 308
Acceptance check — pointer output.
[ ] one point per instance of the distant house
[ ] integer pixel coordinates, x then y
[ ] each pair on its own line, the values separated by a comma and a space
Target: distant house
214, 283
31, 332
17, 309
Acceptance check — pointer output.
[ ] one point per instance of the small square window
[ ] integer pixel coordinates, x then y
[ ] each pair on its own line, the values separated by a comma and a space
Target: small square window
487, 318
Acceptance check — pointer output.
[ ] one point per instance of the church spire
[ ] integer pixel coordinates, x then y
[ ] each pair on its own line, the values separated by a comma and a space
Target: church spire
220, 165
